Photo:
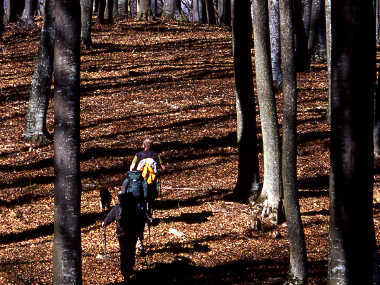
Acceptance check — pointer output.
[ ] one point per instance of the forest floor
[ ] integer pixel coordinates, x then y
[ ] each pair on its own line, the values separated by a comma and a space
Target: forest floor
173, 82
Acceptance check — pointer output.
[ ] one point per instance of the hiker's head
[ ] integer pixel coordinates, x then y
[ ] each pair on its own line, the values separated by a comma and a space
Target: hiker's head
147, 143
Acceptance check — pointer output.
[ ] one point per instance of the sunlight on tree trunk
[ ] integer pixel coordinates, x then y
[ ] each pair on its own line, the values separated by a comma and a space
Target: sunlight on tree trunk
247, 185
272, 186
67, 263
297, 269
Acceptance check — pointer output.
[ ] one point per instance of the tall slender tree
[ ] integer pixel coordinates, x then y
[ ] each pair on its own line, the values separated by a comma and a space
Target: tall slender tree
172, 10
317, 38
199, 11
29, 12
274, 27
1, 18
86, 20
35, 120
144, 10
67, 240
247, 185
353, 59
272, 186
289, 146
224, 12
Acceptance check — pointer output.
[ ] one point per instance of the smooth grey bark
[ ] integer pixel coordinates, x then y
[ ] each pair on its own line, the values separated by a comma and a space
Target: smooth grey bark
224, 12
1, 18
86, 22
376, 127
123, 7
317, 39
297, 269
101, 10
35, 120
377, 21
199, 11
109, 11
272, 186
247, 185
29, 12
144, 10
172, 10
353, 72
210, 12
274, 28
67, 253
328, 52
115, 8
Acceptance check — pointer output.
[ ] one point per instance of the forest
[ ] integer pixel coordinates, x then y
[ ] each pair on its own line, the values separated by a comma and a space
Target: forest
265, 115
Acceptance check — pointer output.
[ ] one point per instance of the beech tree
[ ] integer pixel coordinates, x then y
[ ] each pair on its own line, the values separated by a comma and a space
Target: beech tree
86, 22
272, 185
317, 38
35, 120
224, 12
29, 12
274, 27
1, 18
353, 68
247, 185
144, 11
172, 10
297, 270
67, 263
199, 11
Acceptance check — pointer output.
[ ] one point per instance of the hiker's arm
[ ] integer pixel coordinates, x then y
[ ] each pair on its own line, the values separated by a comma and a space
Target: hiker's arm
111, 216
124, 186
133, 164
162, 166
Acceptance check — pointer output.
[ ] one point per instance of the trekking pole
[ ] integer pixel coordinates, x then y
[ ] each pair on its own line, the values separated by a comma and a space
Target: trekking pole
105, 253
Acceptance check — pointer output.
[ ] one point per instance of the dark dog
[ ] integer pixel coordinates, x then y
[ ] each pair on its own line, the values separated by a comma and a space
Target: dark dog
105, 199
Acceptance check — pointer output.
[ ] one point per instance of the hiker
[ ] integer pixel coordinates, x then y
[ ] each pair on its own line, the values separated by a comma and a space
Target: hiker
150, 164
130, 223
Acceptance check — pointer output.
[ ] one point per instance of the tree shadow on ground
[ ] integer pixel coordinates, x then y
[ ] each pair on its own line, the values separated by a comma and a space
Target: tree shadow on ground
183, 271
188, 218
212, 195
46, 229
313, 186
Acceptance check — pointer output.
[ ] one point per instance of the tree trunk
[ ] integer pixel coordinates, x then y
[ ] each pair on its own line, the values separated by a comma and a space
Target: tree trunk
35, 121
199, 11
123, 7
247, 185
1, 18
274, 28
210, 12
302, 23
224, 11
328, 53
86, 20
29, 12
289, 147
172, 10
317, 40
109, 11
101, 10
67, 236
353, 68
272, 187
376, 127
115, 9
144, 11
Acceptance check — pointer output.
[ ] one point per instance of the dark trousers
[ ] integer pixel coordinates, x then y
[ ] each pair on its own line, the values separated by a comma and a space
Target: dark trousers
127, 243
